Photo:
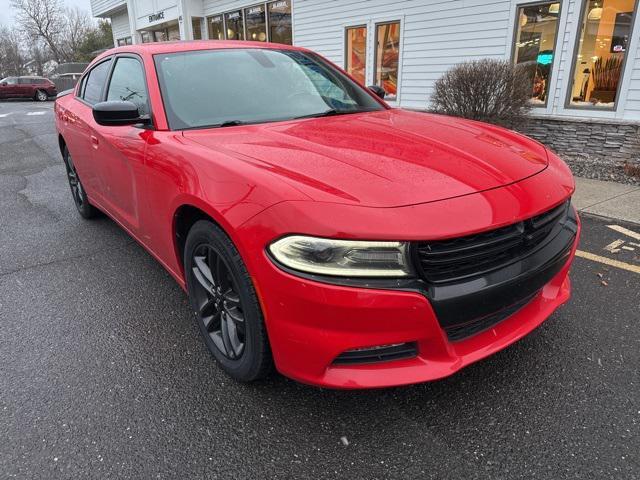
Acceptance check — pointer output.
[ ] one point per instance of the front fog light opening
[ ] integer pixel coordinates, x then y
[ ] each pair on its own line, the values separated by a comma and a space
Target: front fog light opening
377, 354
345, 258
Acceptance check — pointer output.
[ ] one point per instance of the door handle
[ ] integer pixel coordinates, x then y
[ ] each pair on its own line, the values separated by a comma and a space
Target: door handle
94, 141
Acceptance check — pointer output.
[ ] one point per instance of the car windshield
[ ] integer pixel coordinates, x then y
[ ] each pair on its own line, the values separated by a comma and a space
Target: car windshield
216, 88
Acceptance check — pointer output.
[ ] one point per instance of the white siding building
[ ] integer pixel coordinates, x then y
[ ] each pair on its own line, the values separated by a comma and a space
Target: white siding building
585, 53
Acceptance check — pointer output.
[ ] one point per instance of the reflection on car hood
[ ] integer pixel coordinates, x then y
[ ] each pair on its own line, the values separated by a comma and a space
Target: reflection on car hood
382, 159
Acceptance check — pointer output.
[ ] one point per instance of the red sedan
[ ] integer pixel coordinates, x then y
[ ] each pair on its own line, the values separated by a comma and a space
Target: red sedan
314, 228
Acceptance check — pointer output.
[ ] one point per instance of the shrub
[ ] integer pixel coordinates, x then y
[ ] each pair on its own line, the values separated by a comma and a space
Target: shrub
493, 91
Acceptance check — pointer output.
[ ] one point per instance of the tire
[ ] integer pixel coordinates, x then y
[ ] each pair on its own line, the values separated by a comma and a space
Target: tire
78, 192
41, 96
225, 303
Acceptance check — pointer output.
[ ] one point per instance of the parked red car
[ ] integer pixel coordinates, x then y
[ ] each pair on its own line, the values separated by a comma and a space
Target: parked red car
38, 88
313, 227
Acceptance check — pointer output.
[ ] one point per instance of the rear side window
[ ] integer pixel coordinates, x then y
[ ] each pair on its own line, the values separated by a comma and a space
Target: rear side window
95, 82
128, 83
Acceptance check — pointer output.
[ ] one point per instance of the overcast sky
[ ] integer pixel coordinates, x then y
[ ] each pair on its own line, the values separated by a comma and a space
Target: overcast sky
7, 13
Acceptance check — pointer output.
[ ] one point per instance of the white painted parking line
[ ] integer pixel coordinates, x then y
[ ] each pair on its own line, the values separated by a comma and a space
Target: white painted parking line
625, 231
608, 261
614, 247
36, 113
2, 115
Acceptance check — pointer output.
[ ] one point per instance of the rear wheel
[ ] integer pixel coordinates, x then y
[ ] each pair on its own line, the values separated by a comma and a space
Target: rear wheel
80, 198
225, 304
41, 96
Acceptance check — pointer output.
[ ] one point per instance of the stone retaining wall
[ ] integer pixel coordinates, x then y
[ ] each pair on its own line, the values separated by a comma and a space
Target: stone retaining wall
595, 140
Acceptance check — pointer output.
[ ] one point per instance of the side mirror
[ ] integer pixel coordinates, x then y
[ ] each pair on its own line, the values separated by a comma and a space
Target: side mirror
4, 84
116, 113
379, 91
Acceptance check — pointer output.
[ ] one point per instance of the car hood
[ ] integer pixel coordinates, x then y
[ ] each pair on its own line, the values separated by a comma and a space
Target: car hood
382, 159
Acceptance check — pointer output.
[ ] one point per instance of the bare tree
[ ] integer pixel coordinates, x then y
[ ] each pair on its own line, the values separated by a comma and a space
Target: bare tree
44, 19
75, 28
12, 56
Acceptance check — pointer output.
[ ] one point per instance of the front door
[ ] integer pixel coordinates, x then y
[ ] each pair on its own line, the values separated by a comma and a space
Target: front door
119, 150
9, 87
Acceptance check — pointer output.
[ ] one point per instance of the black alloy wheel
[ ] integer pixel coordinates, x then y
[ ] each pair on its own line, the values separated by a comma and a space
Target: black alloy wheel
218, 303
225, 304
80, 198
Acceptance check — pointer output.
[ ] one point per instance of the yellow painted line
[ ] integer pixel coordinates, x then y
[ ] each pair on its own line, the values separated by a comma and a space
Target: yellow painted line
608, 261
625, 231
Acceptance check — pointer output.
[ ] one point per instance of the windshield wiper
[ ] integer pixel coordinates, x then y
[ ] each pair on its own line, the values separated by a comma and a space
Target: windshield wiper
326, 113
333, 111
229, 123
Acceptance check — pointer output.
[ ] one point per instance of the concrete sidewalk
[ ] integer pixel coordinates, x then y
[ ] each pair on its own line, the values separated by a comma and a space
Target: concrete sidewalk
608, 199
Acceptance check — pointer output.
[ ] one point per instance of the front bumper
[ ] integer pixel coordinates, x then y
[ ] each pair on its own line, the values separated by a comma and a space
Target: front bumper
317, 322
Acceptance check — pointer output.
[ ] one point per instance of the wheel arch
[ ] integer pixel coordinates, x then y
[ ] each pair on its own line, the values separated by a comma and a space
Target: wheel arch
184, 217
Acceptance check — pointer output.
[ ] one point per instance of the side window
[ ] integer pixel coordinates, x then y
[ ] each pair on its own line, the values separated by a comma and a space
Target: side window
24, 81
12, 81
94, 83
128, 83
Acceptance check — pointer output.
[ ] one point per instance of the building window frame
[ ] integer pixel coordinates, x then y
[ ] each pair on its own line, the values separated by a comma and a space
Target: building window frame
582, 4
266, 20
374, 64
224, 25
125, 41
242, 9
366, 48
244, 24
557, 47
372, 23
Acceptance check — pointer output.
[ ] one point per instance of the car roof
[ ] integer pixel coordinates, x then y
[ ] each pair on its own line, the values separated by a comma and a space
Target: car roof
186, 46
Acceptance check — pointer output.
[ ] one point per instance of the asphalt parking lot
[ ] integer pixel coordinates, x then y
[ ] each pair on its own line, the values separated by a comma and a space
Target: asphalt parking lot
103, 373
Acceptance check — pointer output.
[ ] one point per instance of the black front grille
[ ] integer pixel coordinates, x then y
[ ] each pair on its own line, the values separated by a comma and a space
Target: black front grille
462, 331
385, 353
457, 258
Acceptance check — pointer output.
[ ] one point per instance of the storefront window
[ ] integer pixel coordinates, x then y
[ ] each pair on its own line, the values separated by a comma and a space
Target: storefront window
196, 28
256, 20
280, 22
603, 42
160, 35
387, 52
356, 53
124, 41
146, 37
537, 30
173, 32
235, 26
216, 28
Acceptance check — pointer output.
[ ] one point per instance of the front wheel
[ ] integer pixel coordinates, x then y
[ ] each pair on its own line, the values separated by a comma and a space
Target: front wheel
80, 198
225, 304
41, 96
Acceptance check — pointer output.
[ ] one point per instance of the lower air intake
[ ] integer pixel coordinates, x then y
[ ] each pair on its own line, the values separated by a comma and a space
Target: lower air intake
383, 353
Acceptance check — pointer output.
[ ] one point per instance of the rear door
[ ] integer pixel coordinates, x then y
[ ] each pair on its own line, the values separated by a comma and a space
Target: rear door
25, 87
119, 150
80, 137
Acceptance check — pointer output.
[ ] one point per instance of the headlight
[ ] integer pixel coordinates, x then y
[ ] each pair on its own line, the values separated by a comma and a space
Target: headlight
344, 258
